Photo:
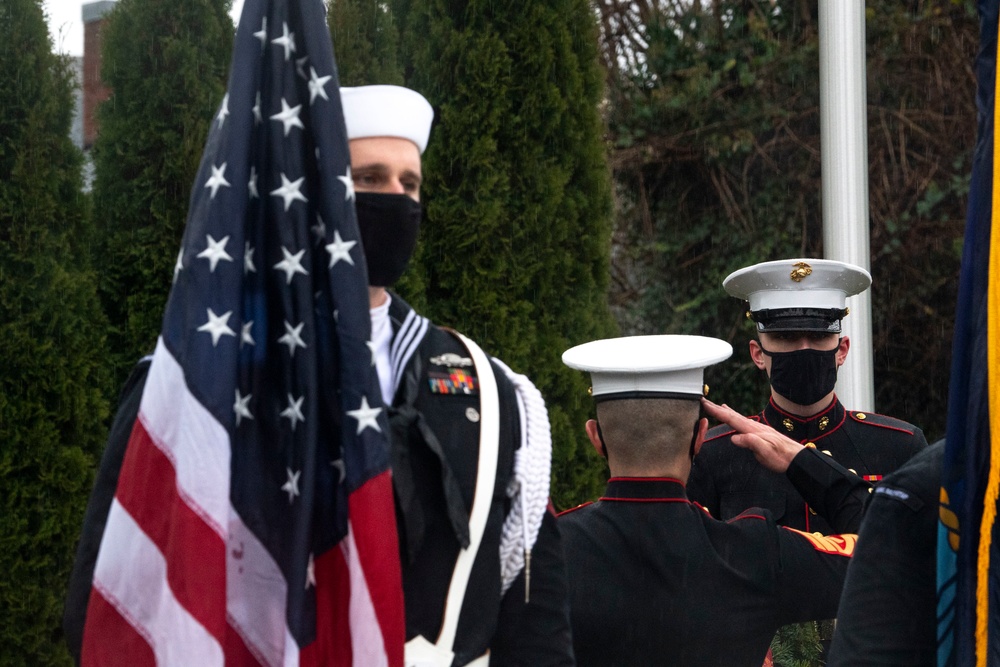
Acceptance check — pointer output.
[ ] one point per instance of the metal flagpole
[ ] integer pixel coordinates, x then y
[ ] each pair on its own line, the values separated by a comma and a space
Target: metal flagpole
844, 150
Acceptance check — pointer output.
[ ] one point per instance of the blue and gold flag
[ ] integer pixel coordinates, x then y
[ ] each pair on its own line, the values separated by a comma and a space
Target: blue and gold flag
968, 532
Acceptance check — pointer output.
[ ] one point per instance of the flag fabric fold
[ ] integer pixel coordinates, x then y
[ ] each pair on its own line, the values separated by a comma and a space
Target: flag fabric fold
968, 552
253, 521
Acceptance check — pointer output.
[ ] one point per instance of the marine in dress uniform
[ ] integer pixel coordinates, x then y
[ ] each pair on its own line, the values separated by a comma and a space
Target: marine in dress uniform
798, 305
483, 573
654, 579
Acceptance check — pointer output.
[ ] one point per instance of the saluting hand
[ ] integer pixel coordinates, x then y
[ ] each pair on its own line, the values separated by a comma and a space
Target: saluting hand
773, 450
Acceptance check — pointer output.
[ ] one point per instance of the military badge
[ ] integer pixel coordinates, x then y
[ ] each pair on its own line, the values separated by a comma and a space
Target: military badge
451, 359
800, 271
454, 381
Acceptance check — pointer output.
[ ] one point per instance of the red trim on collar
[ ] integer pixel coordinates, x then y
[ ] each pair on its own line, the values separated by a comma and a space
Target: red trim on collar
833, 429
573, 509
804, 420
646, 479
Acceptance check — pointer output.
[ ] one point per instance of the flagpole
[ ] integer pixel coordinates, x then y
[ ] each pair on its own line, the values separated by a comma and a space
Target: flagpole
844, 150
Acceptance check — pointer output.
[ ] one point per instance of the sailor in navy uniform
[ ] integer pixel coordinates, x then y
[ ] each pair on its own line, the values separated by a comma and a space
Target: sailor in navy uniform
654, 579
798, 305
483, 574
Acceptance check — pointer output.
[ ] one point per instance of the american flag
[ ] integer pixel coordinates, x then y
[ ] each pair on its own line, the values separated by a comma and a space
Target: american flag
253, 520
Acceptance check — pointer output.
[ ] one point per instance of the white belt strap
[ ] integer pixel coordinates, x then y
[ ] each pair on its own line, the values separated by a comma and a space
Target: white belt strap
419, 651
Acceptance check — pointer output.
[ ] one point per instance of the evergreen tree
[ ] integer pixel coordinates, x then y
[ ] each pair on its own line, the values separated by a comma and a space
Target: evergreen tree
514, 245
365, 41
51, 346
165, 62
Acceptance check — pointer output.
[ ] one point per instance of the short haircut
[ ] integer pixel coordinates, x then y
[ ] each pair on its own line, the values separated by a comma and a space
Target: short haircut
642, 432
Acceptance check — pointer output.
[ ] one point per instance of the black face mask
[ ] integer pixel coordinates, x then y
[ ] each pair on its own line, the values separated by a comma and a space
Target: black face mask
389, 224
803, 376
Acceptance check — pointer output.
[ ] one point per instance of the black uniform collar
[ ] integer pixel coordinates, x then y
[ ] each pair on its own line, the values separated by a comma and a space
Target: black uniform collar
644, 489
805, 429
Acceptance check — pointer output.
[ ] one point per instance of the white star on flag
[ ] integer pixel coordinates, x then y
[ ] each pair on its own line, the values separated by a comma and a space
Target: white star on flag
300, 64
217, 179
310, 573
215, 251
291, 487
262, 33
241, 408
179, 266
224, 111
245, 336
293, 337
339, 465
348, 182
294, 410
340, 249
217, 326
291, 264
252, 183
366, 415
289, 116
286, 40
316, 85
257, 117
248, 265
319, 229
289, 191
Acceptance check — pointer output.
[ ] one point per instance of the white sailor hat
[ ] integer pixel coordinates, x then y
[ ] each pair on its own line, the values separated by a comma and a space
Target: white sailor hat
387, 111
798, 294
667, 366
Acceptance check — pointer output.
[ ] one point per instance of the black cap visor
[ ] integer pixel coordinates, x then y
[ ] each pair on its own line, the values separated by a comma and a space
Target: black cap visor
826, 320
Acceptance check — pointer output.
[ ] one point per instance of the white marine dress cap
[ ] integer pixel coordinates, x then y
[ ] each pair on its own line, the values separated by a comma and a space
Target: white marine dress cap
387, 111
665, 366
798, 294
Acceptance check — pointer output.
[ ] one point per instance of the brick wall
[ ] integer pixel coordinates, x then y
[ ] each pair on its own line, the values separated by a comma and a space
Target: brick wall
94, 91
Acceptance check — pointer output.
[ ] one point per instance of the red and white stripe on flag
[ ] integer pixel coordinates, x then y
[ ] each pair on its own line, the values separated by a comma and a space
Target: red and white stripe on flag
180, 580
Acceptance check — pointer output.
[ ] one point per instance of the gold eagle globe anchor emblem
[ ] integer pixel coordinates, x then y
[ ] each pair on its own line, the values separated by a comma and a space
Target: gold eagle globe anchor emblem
800, 271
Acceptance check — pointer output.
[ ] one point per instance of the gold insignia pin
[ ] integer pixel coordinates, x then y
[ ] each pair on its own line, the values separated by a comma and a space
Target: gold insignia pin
590, 391
823, 423
800, 271
789, 426
704, 390
862, 416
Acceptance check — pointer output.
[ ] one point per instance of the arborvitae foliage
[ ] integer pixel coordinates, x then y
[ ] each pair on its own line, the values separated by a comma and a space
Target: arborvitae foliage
165, 62
514, 248
51, 345
365, 41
